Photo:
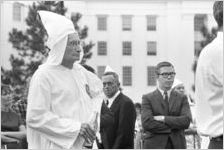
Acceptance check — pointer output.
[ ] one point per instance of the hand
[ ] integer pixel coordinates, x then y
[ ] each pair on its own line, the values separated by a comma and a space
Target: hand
159, 118
87, 132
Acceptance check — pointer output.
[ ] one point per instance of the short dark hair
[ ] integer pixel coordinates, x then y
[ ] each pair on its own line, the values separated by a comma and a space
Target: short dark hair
114, 74
218, 12
162, 64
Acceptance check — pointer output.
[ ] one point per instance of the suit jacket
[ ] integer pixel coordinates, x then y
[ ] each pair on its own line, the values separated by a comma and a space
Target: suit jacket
106, 120
121, 134
176, 120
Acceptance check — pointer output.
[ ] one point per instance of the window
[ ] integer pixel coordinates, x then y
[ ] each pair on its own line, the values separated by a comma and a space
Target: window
100, 71
151, 48
151, 23
126, 48
101, 23
127, 76
16, 12
126, 22
151, 71
197, 47
199, 21
102, 48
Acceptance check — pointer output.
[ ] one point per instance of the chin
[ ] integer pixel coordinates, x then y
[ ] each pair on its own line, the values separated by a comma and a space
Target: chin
168, 87
77, 59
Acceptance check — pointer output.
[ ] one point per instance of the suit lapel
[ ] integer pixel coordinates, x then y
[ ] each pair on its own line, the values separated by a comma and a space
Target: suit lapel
172, 99
115, 102
158, 96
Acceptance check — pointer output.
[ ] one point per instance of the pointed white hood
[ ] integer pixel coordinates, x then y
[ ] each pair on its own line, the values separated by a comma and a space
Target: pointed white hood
176, 82
108, 69
58, 28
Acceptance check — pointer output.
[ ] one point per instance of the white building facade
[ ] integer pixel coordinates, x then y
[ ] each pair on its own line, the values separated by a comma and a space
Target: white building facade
131, 36
13, 15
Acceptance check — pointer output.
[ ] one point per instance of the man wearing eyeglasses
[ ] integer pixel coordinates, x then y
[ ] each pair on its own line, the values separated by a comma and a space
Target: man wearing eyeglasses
165, 113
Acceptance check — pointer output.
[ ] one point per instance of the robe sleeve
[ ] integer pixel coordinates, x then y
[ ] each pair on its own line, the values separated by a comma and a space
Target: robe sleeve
96, 92
59, 130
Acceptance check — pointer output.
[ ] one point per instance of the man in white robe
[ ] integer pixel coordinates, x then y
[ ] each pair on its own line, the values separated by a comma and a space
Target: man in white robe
209, 86
64, 98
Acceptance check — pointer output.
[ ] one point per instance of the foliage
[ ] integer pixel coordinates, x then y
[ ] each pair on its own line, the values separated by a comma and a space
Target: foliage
31, 48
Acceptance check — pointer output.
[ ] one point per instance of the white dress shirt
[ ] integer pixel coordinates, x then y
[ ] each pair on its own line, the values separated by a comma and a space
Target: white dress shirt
111, 100
209, 89
162, 92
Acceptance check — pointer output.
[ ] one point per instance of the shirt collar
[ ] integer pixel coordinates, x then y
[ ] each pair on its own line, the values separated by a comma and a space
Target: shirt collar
162, 92
111, 100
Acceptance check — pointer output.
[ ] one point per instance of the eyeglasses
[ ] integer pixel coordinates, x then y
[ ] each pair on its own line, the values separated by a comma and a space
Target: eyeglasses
167, 74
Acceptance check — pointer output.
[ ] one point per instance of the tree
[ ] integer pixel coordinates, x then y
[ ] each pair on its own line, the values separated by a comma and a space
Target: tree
30, 44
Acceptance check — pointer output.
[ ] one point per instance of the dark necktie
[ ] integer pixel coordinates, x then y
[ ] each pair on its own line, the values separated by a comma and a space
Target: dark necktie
166, 100
107, 102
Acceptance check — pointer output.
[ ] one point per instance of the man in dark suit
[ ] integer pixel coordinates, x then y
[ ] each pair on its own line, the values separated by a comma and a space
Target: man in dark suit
165, 113
120, 135
106, 116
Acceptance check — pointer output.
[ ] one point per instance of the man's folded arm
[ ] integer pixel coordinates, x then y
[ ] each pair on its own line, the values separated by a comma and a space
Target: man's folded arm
148, 122
182, 121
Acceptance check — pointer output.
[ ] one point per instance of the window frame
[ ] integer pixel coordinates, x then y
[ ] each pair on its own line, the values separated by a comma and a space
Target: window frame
127, 77
149, 52
151, 22
151, 82
17, 12
101, 50
127, 22
102, 26
100, 71
127, 48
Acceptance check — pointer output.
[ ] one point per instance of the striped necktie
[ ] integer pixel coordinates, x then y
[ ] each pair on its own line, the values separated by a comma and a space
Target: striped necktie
166, 100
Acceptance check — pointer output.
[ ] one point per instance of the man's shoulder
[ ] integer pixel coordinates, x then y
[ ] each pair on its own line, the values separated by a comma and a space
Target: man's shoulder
46, 71
211, 51
150, 94
125, 98
41, 70
42, 75
180, 96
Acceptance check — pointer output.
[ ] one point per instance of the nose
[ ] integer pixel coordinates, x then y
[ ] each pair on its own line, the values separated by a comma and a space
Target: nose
182, 89
78, 48
169, 77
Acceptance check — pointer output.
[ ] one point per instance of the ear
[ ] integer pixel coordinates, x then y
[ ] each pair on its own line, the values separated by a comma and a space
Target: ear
118, 83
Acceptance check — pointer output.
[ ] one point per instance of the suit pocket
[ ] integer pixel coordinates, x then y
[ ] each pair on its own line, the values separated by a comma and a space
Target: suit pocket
148, 135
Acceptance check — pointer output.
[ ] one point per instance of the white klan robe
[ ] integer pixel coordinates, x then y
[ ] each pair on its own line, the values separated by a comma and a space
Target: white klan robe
60, 99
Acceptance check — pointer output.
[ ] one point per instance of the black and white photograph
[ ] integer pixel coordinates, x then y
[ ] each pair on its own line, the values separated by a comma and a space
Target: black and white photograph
111, 74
